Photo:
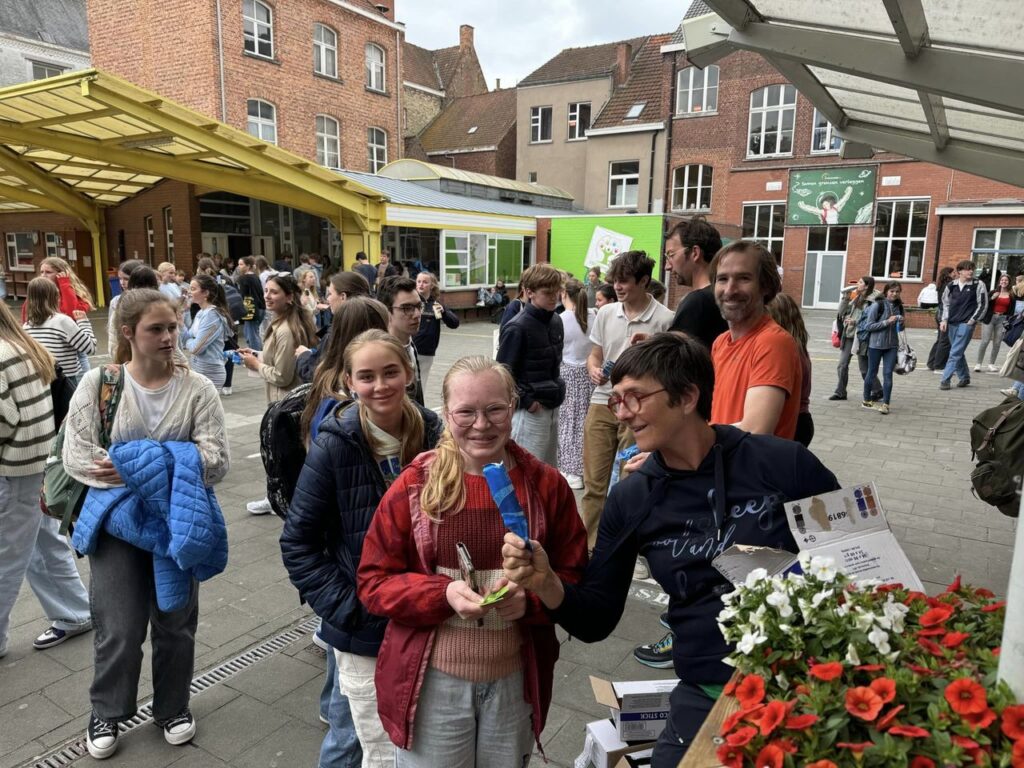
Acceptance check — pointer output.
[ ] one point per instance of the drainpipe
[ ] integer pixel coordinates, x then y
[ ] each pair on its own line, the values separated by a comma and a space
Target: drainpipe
668, 132
650, 179
220, 61
938, 249
400, 136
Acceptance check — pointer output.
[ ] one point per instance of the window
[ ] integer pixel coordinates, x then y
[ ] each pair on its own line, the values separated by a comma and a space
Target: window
19, 251
997, 252
691, 188
623, 184
325, 51
772, 110
532, 177
579, 120
697, 90
822, 137
635, 110
540, 124
42, 70
832, 238
378, 145
262, 120
328, 143
52, 244
900, 230
147, 224
374, 67
169, 230
258, 28
473, 259
765, 223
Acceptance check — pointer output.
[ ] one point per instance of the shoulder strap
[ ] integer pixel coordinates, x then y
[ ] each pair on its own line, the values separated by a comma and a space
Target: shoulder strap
111, 387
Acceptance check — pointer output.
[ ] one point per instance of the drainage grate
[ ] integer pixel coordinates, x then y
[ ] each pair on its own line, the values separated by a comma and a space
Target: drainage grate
68, 753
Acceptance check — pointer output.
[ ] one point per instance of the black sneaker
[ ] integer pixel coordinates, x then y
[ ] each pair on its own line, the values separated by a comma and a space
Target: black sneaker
101, 738
180, 729
836, 396
657, 655
964, 383
944, 385
663, 618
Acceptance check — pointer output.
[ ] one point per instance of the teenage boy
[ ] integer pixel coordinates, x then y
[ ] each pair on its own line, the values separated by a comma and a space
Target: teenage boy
613, 327
689, 501
405, 307
530, 346
364, 268
963, 304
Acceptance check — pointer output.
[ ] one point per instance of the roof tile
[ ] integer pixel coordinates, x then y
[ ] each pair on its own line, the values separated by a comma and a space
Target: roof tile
645, 84
418, 66
492, 113
588, 63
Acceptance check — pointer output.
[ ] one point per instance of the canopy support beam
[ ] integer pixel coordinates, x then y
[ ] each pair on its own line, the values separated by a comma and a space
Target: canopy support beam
909, 23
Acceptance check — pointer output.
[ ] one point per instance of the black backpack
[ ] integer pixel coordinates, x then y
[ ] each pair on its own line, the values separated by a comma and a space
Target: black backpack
61, 391
235, 304
997, 441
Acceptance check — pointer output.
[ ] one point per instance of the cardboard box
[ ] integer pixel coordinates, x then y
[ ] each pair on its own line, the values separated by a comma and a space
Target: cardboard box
640, 759
604, 749
639, 708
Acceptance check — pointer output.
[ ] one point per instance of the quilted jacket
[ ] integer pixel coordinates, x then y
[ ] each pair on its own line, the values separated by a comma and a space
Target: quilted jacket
322, 541
164, 508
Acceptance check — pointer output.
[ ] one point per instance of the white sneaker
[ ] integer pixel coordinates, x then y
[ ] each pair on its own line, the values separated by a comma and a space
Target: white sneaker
640, 570
977, 367
575, 481
993, 369
225, 391
261, 507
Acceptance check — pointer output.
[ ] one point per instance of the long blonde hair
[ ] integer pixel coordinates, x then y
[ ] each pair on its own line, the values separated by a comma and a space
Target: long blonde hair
81, 291
411, 437
445, 489
132, 305
42, 361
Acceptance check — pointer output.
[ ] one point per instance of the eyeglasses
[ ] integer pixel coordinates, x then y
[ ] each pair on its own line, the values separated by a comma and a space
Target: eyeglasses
497, 414
631, 400
410, 309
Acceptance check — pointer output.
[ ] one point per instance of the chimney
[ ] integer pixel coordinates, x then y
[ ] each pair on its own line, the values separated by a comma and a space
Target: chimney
466, 37
497, 83
623, 56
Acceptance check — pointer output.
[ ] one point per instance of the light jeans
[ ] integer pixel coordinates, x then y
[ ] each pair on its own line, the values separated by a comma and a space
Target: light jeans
426, 362
20, 519
340, 748
461, 724
355, 679
537, 433
53, 576
992, 333
959, 338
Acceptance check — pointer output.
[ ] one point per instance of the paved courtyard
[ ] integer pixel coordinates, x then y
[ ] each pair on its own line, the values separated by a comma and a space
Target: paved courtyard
264, 713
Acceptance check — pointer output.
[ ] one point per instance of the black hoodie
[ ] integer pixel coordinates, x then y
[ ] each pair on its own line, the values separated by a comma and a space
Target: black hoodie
671, 518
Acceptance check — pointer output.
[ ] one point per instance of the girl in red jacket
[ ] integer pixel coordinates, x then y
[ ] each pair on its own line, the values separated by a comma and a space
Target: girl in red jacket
459, 682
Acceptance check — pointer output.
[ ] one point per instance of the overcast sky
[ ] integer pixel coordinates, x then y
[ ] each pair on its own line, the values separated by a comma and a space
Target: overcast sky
514, 37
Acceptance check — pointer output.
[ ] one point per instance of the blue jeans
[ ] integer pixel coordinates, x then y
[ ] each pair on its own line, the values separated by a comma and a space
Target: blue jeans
252, 332
1018, 387
959, 338
340, 748
888, 359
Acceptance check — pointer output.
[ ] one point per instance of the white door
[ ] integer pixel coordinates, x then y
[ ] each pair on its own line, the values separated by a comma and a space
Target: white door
823, 279
215, 244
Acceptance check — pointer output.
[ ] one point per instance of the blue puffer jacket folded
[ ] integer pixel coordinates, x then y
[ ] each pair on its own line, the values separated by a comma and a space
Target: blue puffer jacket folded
164, 508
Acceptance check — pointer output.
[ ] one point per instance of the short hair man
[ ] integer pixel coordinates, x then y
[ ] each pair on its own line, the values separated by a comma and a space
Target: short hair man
364, 268
405, 307
689, 249
689, 501
613, 327
530, 346
963, 304
385, 268
757, 363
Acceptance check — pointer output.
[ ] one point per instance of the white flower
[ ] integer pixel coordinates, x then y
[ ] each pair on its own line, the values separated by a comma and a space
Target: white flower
851, 655
819, 597
726, 614
879, 638
755, 577
842, 610
782, 680
804, 559
864, 619
729, 597
750, 641
823, 569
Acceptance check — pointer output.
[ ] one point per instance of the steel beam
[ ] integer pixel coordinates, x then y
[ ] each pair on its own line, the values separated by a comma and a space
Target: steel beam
13, 163
735, 13
935, 113
812, 89
910, 24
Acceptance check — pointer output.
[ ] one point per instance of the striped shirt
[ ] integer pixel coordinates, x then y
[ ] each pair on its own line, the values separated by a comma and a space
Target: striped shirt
26, 415
65, 339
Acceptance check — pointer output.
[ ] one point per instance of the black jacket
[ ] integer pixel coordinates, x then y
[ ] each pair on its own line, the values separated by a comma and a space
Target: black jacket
429, 334
306, 363
530, 345
250, 285
337, 493
669, 516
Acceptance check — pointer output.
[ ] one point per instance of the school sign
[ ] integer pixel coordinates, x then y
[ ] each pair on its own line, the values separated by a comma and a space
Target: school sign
832, 196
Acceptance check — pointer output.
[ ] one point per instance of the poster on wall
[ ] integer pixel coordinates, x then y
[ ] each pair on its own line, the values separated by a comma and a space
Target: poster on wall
832, 196
581, 242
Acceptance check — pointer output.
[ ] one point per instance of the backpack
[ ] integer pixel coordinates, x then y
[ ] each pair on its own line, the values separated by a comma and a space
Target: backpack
61, 391
236, 307
997, 441
863, 334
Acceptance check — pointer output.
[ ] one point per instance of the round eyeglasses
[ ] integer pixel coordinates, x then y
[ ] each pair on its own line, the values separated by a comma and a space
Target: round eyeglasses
631, 400
497, 414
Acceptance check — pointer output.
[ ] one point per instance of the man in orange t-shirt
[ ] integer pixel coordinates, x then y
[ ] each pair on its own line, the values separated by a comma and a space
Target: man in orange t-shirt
757, 365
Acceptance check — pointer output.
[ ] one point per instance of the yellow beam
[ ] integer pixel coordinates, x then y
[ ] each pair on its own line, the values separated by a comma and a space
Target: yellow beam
14, 164
43, 122
99, 257
23, 195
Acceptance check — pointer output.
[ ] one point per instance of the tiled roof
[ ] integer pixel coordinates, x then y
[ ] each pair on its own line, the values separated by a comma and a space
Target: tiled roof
588, 63
58, 22
418, 66
644, 85
446, 59
493, 114
697, 8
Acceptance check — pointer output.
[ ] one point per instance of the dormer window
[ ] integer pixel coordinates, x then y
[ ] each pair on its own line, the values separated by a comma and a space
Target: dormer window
472, 130
635, 110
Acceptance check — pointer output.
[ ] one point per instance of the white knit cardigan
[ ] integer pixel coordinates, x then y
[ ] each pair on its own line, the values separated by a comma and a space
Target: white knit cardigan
26, 415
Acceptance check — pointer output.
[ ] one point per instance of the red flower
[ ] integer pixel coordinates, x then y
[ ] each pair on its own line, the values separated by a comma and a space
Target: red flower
770, 756
1013, 722
826, 672
821, 764
964, 742
920, 761
870, 667
888, 717
912, 596
910, 731
988, 594
935, 616
774, 713
751, 691
856, 747
954, 586
933, 648
730, 686
933, 632
800, 722
966, 697
741, 737
885, 687
953, 639
980, 720
786, 745
730, 757
1018, 753
992, 607
863, 703
917, 669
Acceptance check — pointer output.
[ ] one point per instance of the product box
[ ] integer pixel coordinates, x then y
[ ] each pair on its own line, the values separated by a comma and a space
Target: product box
641, 759
639, 708
604, 749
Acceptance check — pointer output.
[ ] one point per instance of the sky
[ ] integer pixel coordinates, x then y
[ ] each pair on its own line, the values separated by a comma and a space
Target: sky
514, 37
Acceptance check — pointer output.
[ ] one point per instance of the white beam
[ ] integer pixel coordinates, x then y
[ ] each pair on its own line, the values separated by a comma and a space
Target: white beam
1011, 658
935, 114
909, 23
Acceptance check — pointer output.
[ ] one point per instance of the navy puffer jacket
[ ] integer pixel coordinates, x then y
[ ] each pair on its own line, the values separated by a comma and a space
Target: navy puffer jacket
335, 499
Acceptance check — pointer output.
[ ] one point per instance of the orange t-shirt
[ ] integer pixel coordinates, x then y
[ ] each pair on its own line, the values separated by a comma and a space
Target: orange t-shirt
767, 356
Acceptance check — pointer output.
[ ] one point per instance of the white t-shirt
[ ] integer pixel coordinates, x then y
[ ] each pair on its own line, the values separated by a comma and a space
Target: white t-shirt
153, 403
612, 331
575, 344
388, 452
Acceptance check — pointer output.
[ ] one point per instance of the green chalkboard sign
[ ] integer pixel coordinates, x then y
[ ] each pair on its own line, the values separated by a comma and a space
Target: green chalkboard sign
832, 196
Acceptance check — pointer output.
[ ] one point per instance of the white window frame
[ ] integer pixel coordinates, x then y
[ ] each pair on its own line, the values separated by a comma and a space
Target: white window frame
376, 71
147, 224
169, 233
252, 26
827, 133
696, 102
48, 69
17, 252
573, 131
908, 238
325, 51
464, 267
1000, 254
697, 178
52, 240
260, 126
377, 150
537, 124
772, 236
328, 141
781, 108
626, 181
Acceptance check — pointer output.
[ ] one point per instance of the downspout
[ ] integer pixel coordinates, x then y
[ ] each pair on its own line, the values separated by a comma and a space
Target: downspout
668, 134
650, 176
220, 61
400, 137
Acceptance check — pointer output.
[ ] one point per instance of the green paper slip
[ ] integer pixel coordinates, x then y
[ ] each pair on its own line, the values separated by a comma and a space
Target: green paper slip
495, 596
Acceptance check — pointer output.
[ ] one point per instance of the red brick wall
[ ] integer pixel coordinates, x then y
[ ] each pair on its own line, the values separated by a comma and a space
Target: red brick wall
505, 162
129, 217
66, 226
